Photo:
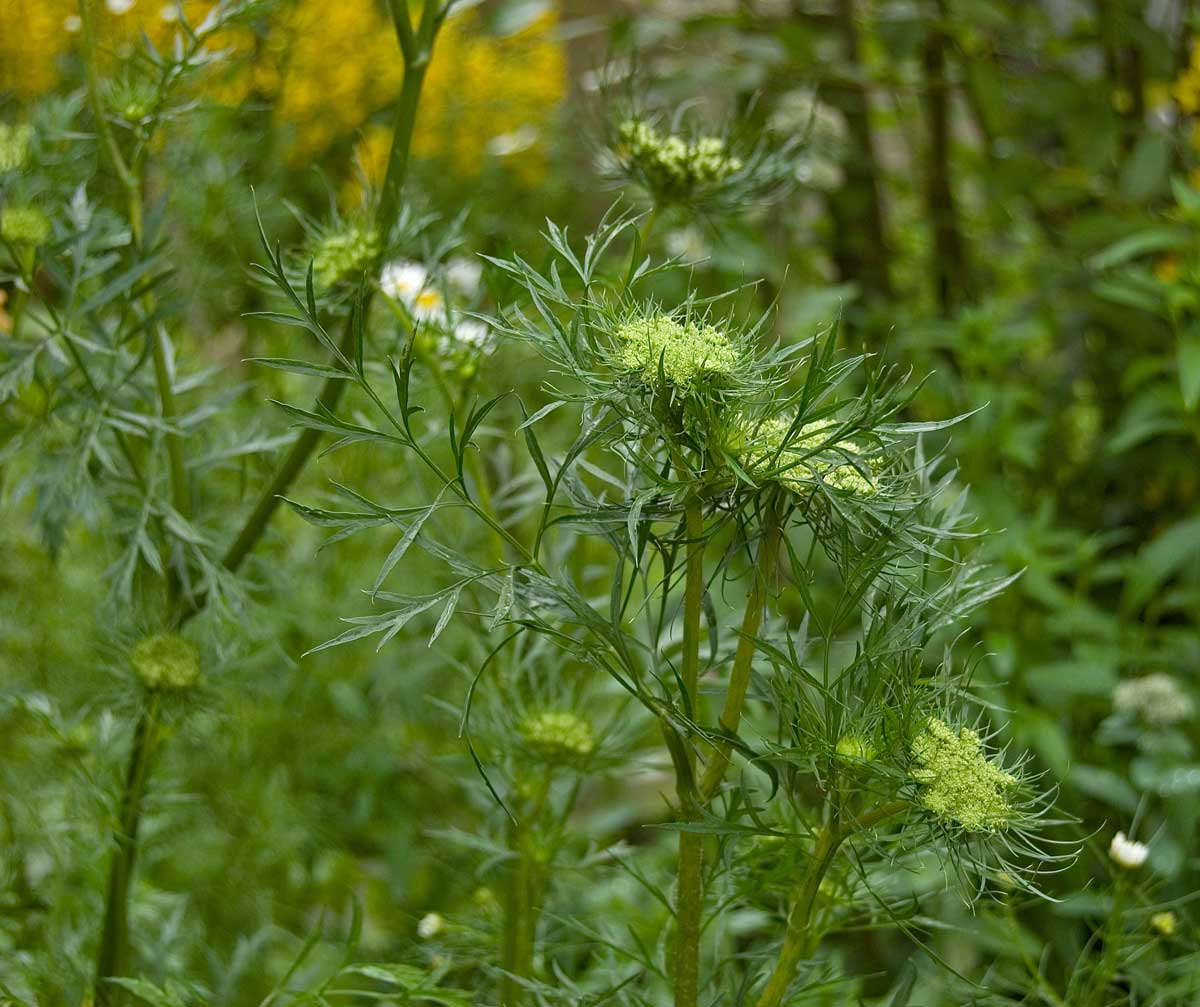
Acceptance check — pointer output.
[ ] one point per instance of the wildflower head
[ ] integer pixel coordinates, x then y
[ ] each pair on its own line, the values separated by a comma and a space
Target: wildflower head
1157, 699
15, 141
342, 253
403, 281
854, 748
24, 225
131, 98
1164, 924
959, 784
673, 168
556, 737
684, 356
769, 449
1127, 853
166, 662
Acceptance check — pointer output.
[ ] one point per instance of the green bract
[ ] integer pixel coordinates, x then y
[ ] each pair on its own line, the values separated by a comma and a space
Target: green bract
684, 355
14, 146
959, 783
24, 225
166, 661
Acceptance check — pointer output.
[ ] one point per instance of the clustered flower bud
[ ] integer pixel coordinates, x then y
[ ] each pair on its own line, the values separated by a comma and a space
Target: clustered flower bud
759, 447
1157, 699
854, 748
343, 253
674, 167
24, 225
166, 662
1164, 923
557, 737
686, 356
14, 146
959, 784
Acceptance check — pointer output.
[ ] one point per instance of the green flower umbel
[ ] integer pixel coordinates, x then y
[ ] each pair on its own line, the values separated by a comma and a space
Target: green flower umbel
24, 225
167, 662
671, 166
14, 146
557, 737
959, 784
344, 253
765, 451
686, 356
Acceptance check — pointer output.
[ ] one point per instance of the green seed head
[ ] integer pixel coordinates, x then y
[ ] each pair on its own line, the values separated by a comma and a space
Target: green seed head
14, 146
685, 356
167, 662
344, 253
959, 784
557, 737
24, 225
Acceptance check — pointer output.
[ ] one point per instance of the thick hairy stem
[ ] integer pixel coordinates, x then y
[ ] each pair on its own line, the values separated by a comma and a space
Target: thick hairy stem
743, 658
797, 940
114, 935
689, 901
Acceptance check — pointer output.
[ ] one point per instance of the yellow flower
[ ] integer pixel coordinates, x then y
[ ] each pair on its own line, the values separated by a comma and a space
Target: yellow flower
32, 38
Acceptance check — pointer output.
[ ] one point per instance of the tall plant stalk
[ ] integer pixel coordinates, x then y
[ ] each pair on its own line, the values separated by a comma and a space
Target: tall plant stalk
417, 47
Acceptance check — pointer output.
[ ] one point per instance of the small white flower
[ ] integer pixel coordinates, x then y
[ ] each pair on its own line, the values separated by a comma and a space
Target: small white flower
403, 281
514, 142
429, 305
472, 332
72, 23
464, 275
687, 244
430, 926
1127, 852
169, 13
119, 6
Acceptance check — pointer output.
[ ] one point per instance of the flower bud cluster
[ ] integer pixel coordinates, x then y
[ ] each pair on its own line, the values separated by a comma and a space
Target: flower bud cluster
1157, 699
959, 784
556, 737
166, 662
765, 450
14, 146
671, 166
24, 225
343, 253
684, 355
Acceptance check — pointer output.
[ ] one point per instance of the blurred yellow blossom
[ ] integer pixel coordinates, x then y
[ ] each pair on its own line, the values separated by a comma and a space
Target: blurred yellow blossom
1186, 90
33, 36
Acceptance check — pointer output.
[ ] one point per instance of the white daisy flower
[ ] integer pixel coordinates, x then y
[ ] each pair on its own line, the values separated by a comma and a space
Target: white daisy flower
464, 275
119, 6
72, 23
513, 143
403, 281
1127, 852
472, 332
429, 305
430, 926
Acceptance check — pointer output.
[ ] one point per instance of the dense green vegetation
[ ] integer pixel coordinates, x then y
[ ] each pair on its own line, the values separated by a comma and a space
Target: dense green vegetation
667, 503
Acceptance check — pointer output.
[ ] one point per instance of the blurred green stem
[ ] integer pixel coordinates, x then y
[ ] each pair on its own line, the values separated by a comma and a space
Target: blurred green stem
799, 936
114, 936
523, 900
743, 659
690, 897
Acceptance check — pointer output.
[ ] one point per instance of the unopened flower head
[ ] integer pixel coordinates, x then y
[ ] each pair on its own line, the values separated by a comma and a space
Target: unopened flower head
464, 275
430, 925
673, 167
131, 98
167, 662
557, 737
854, 748
1156, 698
14, 146
686, 355
1164, 923
959, 784
24, 225
343, 253
769, 449
1128, 853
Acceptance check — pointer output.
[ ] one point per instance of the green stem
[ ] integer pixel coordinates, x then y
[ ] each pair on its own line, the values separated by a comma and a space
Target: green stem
743, 658
112, 956
799, 936
690, 898
417, 53
523, 907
